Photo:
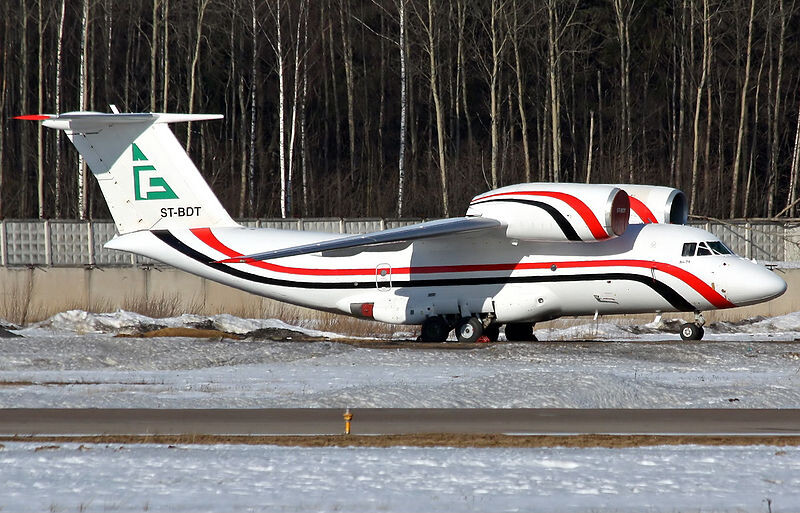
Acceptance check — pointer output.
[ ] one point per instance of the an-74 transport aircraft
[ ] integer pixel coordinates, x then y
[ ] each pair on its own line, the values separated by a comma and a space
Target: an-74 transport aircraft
522, 254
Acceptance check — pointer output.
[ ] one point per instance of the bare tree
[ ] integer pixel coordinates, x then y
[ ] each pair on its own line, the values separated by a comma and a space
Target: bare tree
401, 159
623, 10
742, 113
201, 11
153, 55
40, 108
347, 49
165, 56
516, 34
704, 66
83, 98
429, 26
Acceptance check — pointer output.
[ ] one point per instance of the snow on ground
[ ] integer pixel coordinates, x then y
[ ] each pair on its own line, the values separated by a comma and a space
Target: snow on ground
72, 360
37, 477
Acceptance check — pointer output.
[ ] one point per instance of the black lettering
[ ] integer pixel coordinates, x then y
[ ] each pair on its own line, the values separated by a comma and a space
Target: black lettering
180, 211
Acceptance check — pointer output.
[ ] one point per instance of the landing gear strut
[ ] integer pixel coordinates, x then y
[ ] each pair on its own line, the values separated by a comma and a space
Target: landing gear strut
694, 330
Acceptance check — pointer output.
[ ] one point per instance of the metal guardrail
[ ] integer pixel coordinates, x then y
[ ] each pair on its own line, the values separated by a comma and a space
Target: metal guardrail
60, 243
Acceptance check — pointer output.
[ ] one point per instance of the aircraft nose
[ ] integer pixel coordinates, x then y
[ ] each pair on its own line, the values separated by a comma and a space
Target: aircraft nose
758, 284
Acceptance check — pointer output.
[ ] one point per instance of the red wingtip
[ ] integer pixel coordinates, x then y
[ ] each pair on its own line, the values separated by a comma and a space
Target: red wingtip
33, 117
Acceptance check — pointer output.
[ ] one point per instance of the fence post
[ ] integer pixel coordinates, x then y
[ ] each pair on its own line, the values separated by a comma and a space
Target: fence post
48, 246
4, 242
749, 240
90, 231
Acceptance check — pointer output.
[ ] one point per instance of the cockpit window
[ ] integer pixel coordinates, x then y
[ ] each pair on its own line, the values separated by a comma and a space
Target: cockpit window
703, 249
719, 248
712, 247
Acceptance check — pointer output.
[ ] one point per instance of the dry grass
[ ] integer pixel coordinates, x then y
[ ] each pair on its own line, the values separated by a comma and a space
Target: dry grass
18, 306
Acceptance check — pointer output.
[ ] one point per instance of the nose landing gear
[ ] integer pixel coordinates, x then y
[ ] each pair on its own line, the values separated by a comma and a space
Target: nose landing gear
694, 330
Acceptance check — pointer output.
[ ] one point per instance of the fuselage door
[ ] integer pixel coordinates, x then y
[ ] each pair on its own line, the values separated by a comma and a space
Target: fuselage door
383, 276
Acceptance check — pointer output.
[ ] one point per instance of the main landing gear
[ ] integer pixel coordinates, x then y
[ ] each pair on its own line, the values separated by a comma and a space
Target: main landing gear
694, 330
471, 329
468, 329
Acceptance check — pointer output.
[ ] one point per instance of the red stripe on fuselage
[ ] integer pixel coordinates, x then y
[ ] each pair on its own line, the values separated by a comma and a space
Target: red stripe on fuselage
577, 205
699, 286
642, 211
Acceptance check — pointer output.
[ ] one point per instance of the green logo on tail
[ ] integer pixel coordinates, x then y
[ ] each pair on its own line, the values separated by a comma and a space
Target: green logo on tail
147, 185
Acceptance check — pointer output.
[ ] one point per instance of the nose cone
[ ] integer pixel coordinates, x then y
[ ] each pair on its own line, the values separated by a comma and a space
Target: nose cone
757, 284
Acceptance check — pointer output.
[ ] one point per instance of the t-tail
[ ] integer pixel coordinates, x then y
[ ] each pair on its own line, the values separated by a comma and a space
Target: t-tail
147, 178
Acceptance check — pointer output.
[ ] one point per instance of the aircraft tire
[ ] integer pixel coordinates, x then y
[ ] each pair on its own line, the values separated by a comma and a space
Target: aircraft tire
434, 329
469, 330
492, 332
520, 332
691, 331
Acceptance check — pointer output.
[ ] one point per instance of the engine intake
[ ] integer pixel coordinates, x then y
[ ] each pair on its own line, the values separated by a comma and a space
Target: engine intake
656, 204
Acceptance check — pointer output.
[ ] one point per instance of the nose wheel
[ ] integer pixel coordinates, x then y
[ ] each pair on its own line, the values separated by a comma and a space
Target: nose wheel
693, 330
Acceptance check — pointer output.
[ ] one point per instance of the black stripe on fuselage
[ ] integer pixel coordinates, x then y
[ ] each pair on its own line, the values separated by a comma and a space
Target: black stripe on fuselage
664, 290
558, 217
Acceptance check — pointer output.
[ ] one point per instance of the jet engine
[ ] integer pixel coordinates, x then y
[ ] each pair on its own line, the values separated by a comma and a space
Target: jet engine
656, 204
556, 211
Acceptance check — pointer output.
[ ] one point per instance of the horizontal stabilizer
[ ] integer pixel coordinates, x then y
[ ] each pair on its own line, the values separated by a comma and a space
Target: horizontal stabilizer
430, 229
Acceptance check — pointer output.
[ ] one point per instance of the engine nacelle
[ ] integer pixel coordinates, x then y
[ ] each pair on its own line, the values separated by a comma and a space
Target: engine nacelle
656, 204
556, 211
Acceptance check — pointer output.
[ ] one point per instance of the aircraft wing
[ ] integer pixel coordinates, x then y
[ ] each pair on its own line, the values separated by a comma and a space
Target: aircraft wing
426, 230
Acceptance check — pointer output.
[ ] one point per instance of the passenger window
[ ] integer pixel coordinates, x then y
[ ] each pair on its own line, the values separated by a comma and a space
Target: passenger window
703, 250
688, 249
719, 248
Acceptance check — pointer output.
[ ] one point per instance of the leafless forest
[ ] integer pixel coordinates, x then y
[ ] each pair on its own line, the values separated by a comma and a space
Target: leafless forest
410, 107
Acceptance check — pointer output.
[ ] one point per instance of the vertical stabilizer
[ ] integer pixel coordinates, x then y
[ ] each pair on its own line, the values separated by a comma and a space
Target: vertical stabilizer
148, 180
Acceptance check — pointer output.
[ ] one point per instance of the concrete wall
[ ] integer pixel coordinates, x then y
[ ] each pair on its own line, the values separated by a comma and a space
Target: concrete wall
31, 294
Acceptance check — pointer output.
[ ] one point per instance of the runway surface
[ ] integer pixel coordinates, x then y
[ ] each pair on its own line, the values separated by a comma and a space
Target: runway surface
390, 421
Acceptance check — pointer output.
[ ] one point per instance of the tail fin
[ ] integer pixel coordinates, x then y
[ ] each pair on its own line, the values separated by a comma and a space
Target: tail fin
148, 180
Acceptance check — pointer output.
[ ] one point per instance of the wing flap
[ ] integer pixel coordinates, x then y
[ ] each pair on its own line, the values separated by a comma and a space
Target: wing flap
426, 230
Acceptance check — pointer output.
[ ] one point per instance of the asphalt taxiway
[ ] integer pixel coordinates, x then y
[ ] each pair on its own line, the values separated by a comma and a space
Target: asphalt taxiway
393, 421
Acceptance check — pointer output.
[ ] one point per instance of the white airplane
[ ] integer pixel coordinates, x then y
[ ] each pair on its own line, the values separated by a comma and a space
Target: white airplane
522, 254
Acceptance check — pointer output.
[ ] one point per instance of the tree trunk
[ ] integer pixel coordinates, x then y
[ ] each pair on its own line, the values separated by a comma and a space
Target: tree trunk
3, 95
401, 160
303, 123
622, 10
693, 200
555, 105
293, 122
438, 107
281, 106
165, 57
349, 82
589, 150
83, 99
39, 109
521, 94
57, 152
742, 114
494, 92
201, 10
23, 105
792, 199
153, 55
774, 135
